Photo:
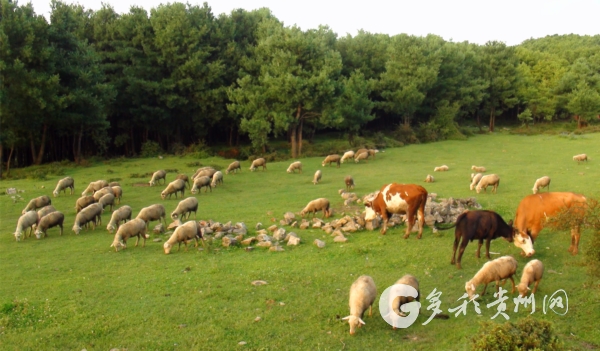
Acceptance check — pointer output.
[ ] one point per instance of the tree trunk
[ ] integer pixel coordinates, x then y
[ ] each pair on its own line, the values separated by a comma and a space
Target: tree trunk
12, 148
78, 147
492, 117
32, 145
293, 140
231, 136
300, 138
38, 159
1, 150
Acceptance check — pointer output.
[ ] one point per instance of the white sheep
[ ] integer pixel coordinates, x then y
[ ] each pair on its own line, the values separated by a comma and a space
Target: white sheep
174, 187
217, 178
362, 295
36, 203
186, 206
95, 186
580, 158
349, 181
184, 233
204, 172
99, 193
84, 202
502, 268
532, 273
317, 205
478, 169
398, 301
91, 214
26, 221
429, 179
118, 193
153, 213
108, 199
185, 178
317, 177
347, 155
233, 167
157, 176
123, 213
335, 158
488, 180
50, 220
475, 178
361, 156
442, 168
45, 210
136, 227
201, 182
372, 152
295, 166
258, 163
111, 184
541, 183
63, 184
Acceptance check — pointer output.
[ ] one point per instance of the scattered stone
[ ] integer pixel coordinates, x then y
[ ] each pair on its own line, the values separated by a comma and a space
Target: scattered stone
289, 216
159, 229
259, 282
263, 237
262, 231
257, 319
320, 244
293, 241
264, 244
248, 241
276, 248
282, 303
257, 226
240, 228
337, 232
283, 222
279, 234
340, 239
229, 241
242, 343
294, 224
249, 248
272, 228
176, 223
304, 224
372, 224
218, 235
206, 231
157, 240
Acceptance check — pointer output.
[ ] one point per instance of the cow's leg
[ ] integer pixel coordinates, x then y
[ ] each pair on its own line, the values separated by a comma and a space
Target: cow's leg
487, 248
479, 248
463, 245
454, 247
421, 218
384, 219
410, 222
575, 235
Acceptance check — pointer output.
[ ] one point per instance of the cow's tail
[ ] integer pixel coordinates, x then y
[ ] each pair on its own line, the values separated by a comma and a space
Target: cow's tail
443, 227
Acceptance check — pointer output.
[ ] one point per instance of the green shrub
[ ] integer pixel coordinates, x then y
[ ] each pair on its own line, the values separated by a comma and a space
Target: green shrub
526, 334
405, 134
151, 149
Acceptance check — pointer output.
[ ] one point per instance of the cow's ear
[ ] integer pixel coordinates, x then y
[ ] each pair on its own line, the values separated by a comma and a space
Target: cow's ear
529, 234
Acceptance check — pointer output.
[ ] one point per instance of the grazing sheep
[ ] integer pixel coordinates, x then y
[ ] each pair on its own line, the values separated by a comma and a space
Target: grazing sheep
106, 190
475, 178
184, 233
362, 156
443, 168
174, 187
111, 184
541, 183
123, 213
26, 221
398, 301
48, 221
185, 178
117, 192
45, 210
84, 202
362, 295
95, 186
488, 180
36, 203
91, 214
372, 152
201, 182
184, 207
429, 179
295, 166
335, 158
532, 273
317, 205
204, 172
317, 177
136, 227
347, 155
580, 158
63, 184
233, 167
360, 151
478, 169
153, 213
157, 176
108, 199
258, 163
496, 270
349, 182
217, 178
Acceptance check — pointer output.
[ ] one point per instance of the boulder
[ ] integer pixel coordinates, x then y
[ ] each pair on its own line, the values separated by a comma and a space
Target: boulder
340, 239
159, 229
248, 241
229, 241
289, 216
293, 241
272, 228
276, 248
264, 244
279, 234
320, 244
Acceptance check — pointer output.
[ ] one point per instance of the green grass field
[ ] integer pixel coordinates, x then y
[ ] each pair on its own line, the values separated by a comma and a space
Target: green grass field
73, 292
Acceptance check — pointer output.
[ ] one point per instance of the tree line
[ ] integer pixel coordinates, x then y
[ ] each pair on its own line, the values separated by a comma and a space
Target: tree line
103, 83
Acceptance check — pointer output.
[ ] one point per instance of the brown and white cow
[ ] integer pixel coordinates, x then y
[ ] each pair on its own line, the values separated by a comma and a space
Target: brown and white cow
399, 198
534, 210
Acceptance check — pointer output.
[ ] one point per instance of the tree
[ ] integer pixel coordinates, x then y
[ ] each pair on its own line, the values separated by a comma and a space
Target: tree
354, 106
584, 102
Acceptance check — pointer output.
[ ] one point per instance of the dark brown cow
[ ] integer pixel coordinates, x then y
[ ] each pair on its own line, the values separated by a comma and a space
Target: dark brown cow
399, 198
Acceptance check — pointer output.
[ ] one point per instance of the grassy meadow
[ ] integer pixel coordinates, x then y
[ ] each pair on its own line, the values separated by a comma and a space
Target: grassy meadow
73, 292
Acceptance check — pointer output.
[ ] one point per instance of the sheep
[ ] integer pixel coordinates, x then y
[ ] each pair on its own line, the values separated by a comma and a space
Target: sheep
184, 233
217, 178
36, 203
95, 186
295, 166
257, 163
360, 151
45, 210
478, 169
335, 158
398, 301
153, 213
442, 168
347, 155
185, 178
89, 214
106, 190
488, 180
201, 182
349, 182
63, 184
362, 295
174, 187
108, 199
136, 227
496, 270
317, 205
233, 167
362, 156
185, 206
48, 221
532, 273
118, 192
475, 178
204, 171
26, 221
372, 152
157, 176
84, 202
317, 177
541, 183
123, 213
111, 184
429, 179
580, 158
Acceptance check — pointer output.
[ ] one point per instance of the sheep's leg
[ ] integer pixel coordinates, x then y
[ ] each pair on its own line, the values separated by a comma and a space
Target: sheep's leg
575, 236
512, 291
137, 240
484, 288
144, 236
371, 311
535, 286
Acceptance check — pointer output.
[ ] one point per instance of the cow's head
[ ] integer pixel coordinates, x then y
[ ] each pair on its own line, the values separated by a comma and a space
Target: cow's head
524, 242
370, 213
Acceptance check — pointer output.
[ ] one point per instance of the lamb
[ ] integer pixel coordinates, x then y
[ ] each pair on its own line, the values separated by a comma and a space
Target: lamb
349, 182
429, 179
84, 202
532, 273
580, 158
475, 178
347, 155
398, 301
335, 158
36, 203
442, 168
136, 227
360, 151
185, 178
106, 190
111, 184
257, 163
63, 184
108, 199
362, 156
217, 178
317, 205
123, 213
95, 186
26, 221
157, 176
233, 167
295, 166
118, 192
185, 207
201, 182
488, 180
184, 233
204, 172
174, 187
362, 295
89, 214
153, 213
541, 183
478, 169
317, 177
48, 221
372, 152
496, 270
45, 210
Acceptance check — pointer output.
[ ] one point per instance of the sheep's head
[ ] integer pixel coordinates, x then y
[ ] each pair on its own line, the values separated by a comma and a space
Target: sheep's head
55, 193
174, 216
355, 322
163, 195
18, 235
38, 234
252, 168
76, 229
118, 244
167, 248
111, 228
151, 183
535, 190
323, 163
470, 289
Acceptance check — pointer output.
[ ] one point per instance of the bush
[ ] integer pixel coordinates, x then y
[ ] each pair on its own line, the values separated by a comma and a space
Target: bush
526, 334
151, 149
405, 134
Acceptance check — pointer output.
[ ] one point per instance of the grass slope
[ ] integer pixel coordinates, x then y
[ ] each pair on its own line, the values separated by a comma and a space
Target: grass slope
75, 292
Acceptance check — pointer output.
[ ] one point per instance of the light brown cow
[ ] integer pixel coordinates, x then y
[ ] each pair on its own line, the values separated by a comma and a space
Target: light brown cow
399, 198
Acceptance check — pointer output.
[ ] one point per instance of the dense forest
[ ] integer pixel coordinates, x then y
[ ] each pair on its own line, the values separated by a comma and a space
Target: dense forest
103, 83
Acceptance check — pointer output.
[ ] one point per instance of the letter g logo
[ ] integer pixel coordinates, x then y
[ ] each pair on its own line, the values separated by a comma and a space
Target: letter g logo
389, 301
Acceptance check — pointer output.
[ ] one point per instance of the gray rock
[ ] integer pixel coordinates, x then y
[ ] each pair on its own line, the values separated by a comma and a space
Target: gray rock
320, 244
